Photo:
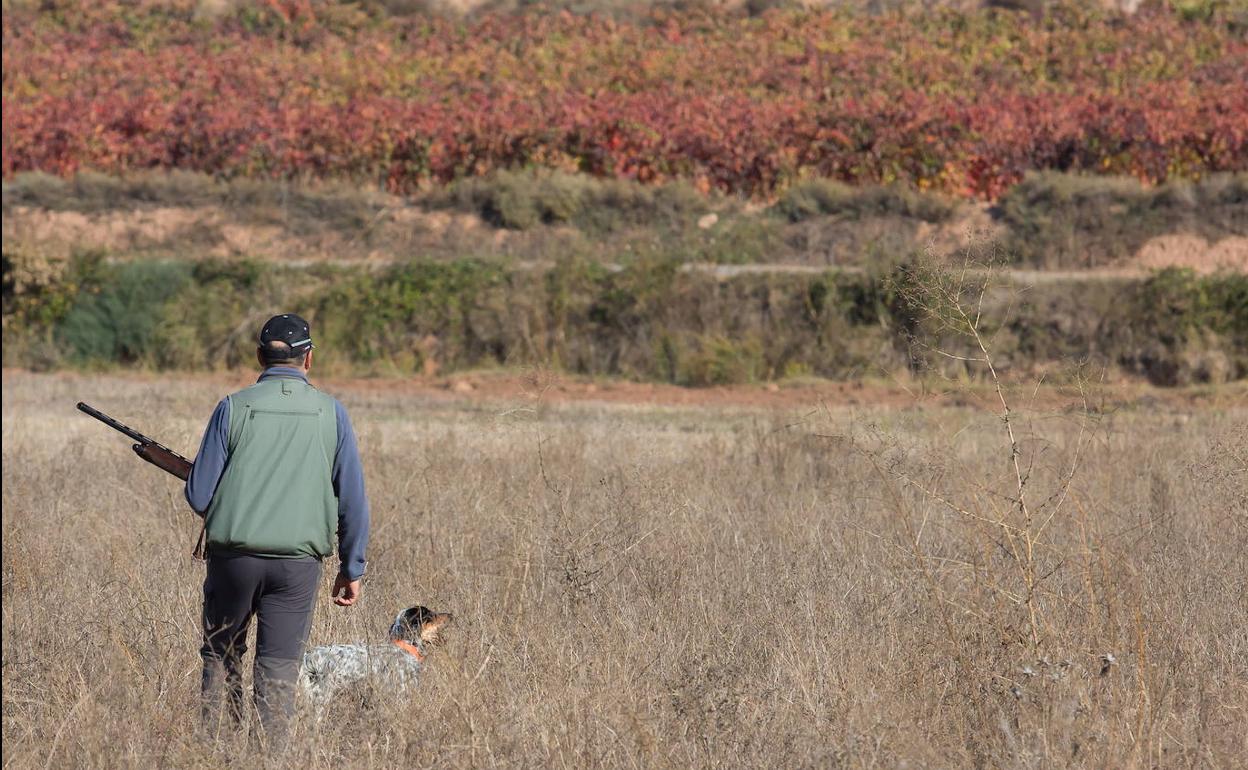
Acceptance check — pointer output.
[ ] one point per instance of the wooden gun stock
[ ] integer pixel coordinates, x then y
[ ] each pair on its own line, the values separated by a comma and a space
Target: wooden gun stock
162, 458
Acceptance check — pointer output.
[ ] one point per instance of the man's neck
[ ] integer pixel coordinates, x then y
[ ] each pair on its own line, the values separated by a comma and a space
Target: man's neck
284, 371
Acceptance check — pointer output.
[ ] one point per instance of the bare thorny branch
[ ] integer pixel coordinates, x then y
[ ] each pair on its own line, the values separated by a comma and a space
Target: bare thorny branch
954, 302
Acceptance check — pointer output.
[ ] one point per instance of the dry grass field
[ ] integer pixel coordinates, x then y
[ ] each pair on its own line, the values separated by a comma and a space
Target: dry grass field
817, 585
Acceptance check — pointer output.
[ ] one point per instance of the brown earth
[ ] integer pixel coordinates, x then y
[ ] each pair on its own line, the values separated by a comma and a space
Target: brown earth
113, 230
213, 232
1180, 250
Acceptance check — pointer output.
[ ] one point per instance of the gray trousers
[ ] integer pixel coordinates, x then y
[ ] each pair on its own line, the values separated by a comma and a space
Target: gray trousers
280, 594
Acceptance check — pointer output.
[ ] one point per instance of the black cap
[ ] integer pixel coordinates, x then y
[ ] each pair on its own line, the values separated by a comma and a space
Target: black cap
290, 330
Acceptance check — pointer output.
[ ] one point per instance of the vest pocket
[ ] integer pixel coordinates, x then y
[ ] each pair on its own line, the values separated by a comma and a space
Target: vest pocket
293, 428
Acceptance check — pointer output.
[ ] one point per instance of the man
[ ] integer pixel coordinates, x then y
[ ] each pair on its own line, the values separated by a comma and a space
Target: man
277, 473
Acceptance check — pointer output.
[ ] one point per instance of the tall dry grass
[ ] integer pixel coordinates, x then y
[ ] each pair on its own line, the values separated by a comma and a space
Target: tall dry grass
649, 587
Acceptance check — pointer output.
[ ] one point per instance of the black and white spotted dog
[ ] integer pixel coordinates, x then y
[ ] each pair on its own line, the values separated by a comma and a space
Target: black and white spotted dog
327, 670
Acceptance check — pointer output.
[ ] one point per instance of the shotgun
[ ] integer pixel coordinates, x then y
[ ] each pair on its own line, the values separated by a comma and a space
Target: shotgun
157, 454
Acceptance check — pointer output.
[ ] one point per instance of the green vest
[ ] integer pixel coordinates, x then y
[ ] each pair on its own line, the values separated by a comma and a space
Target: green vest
276, 496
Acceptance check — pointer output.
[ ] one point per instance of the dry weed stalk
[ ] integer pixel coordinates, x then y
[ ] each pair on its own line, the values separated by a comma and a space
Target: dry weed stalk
951, 302
952, 325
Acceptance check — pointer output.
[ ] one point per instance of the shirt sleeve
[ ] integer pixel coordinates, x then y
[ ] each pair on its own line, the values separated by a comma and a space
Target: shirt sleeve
209, 464
353, 514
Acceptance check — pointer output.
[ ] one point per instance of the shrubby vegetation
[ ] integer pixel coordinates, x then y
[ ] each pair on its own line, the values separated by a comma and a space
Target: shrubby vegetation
652, 319
1048, 221
603, 285
326, 205
965, 103
1067, 220
824, 197
521, 201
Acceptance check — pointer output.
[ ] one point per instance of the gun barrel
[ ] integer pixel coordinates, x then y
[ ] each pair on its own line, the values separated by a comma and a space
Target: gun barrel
110, 422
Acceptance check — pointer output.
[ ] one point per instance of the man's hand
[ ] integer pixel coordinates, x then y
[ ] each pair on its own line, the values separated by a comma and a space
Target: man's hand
350, 590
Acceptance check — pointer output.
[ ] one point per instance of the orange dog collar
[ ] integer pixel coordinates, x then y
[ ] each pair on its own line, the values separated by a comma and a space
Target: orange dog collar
410, 649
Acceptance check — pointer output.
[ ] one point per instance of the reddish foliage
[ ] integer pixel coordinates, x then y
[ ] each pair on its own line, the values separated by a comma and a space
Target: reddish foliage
965, 104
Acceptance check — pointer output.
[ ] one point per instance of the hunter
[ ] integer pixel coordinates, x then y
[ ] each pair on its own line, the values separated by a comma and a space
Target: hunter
278, 474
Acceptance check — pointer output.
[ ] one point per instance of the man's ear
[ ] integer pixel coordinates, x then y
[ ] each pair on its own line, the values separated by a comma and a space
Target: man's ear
260, 358
307, 361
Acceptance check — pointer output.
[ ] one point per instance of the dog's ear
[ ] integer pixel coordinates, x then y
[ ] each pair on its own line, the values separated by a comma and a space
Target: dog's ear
407, 624
431, 629
416, 616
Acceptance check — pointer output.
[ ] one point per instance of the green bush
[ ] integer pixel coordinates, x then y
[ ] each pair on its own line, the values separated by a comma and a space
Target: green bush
1176, 302
37, 288
211, 322
649, 319
381, 319
1187, 328
119, 309
504, 199
826, 197
35, 188
521, 200
614, 205
719, 360
1067, 220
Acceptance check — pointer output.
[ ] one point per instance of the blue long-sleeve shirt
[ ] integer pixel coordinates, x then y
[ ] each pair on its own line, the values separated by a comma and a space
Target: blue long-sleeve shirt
348, 476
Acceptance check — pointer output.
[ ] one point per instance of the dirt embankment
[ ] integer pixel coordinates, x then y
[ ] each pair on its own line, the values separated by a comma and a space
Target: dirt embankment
213, 232
397, 233
1192, 251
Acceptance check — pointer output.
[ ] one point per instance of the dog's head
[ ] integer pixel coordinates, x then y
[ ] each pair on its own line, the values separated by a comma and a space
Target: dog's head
419, 625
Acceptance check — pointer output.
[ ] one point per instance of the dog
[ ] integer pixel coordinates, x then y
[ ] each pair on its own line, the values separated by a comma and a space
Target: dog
396, 666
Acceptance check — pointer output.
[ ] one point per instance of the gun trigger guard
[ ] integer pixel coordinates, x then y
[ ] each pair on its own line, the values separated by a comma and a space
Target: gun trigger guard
138, 449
